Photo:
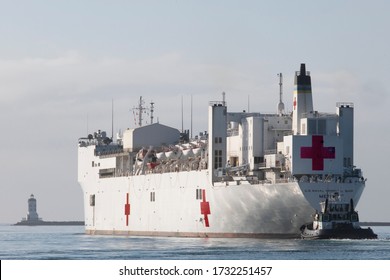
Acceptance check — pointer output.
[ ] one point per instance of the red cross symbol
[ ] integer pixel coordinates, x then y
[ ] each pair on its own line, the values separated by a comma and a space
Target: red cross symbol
318, 152
127, 209
205, 208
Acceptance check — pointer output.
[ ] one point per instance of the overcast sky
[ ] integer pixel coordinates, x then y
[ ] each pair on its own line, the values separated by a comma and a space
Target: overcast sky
63, 62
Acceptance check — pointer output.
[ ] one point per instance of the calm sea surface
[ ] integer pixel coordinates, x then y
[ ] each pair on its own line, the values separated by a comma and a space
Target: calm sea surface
70, 242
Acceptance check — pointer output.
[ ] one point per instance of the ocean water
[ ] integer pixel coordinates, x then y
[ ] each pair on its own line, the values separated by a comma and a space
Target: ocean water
70, 243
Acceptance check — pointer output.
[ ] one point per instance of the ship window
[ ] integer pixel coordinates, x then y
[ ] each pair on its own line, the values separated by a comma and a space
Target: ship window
93, 164
218, 140
152, 196
258, 160
106, 172
198, 194
218, 159
92, 200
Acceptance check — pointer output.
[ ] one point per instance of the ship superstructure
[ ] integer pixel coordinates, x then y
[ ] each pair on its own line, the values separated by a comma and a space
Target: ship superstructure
249, 175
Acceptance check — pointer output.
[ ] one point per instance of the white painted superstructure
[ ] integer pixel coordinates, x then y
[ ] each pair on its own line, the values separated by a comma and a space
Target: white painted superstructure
250, 175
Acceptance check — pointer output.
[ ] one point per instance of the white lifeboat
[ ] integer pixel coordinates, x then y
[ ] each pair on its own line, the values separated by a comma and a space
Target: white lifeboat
161, 156
173, 154
187, 153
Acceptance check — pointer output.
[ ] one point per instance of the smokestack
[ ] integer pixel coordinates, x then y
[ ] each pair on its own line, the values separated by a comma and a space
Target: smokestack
302, 81
303, 100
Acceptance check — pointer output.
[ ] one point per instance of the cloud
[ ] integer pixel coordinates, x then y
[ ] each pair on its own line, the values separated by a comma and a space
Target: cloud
73, 83
73, 73
347, 86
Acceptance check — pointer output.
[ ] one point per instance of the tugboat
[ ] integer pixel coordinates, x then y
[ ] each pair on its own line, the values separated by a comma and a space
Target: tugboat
337, 220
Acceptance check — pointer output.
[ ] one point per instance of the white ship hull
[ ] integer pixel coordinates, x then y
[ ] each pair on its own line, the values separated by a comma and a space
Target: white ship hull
249, 175
186, 204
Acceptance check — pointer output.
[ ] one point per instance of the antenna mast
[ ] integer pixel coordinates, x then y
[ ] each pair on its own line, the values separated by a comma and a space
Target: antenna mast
151, 111
191, 116
139, 110
281, 104
87, 124
112, 119
182, 121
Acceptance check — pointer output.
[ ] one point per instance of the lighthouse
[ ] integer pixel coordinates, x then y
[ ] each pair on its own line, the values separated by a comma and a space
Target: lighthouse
32, 214
33, 219
302, 99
